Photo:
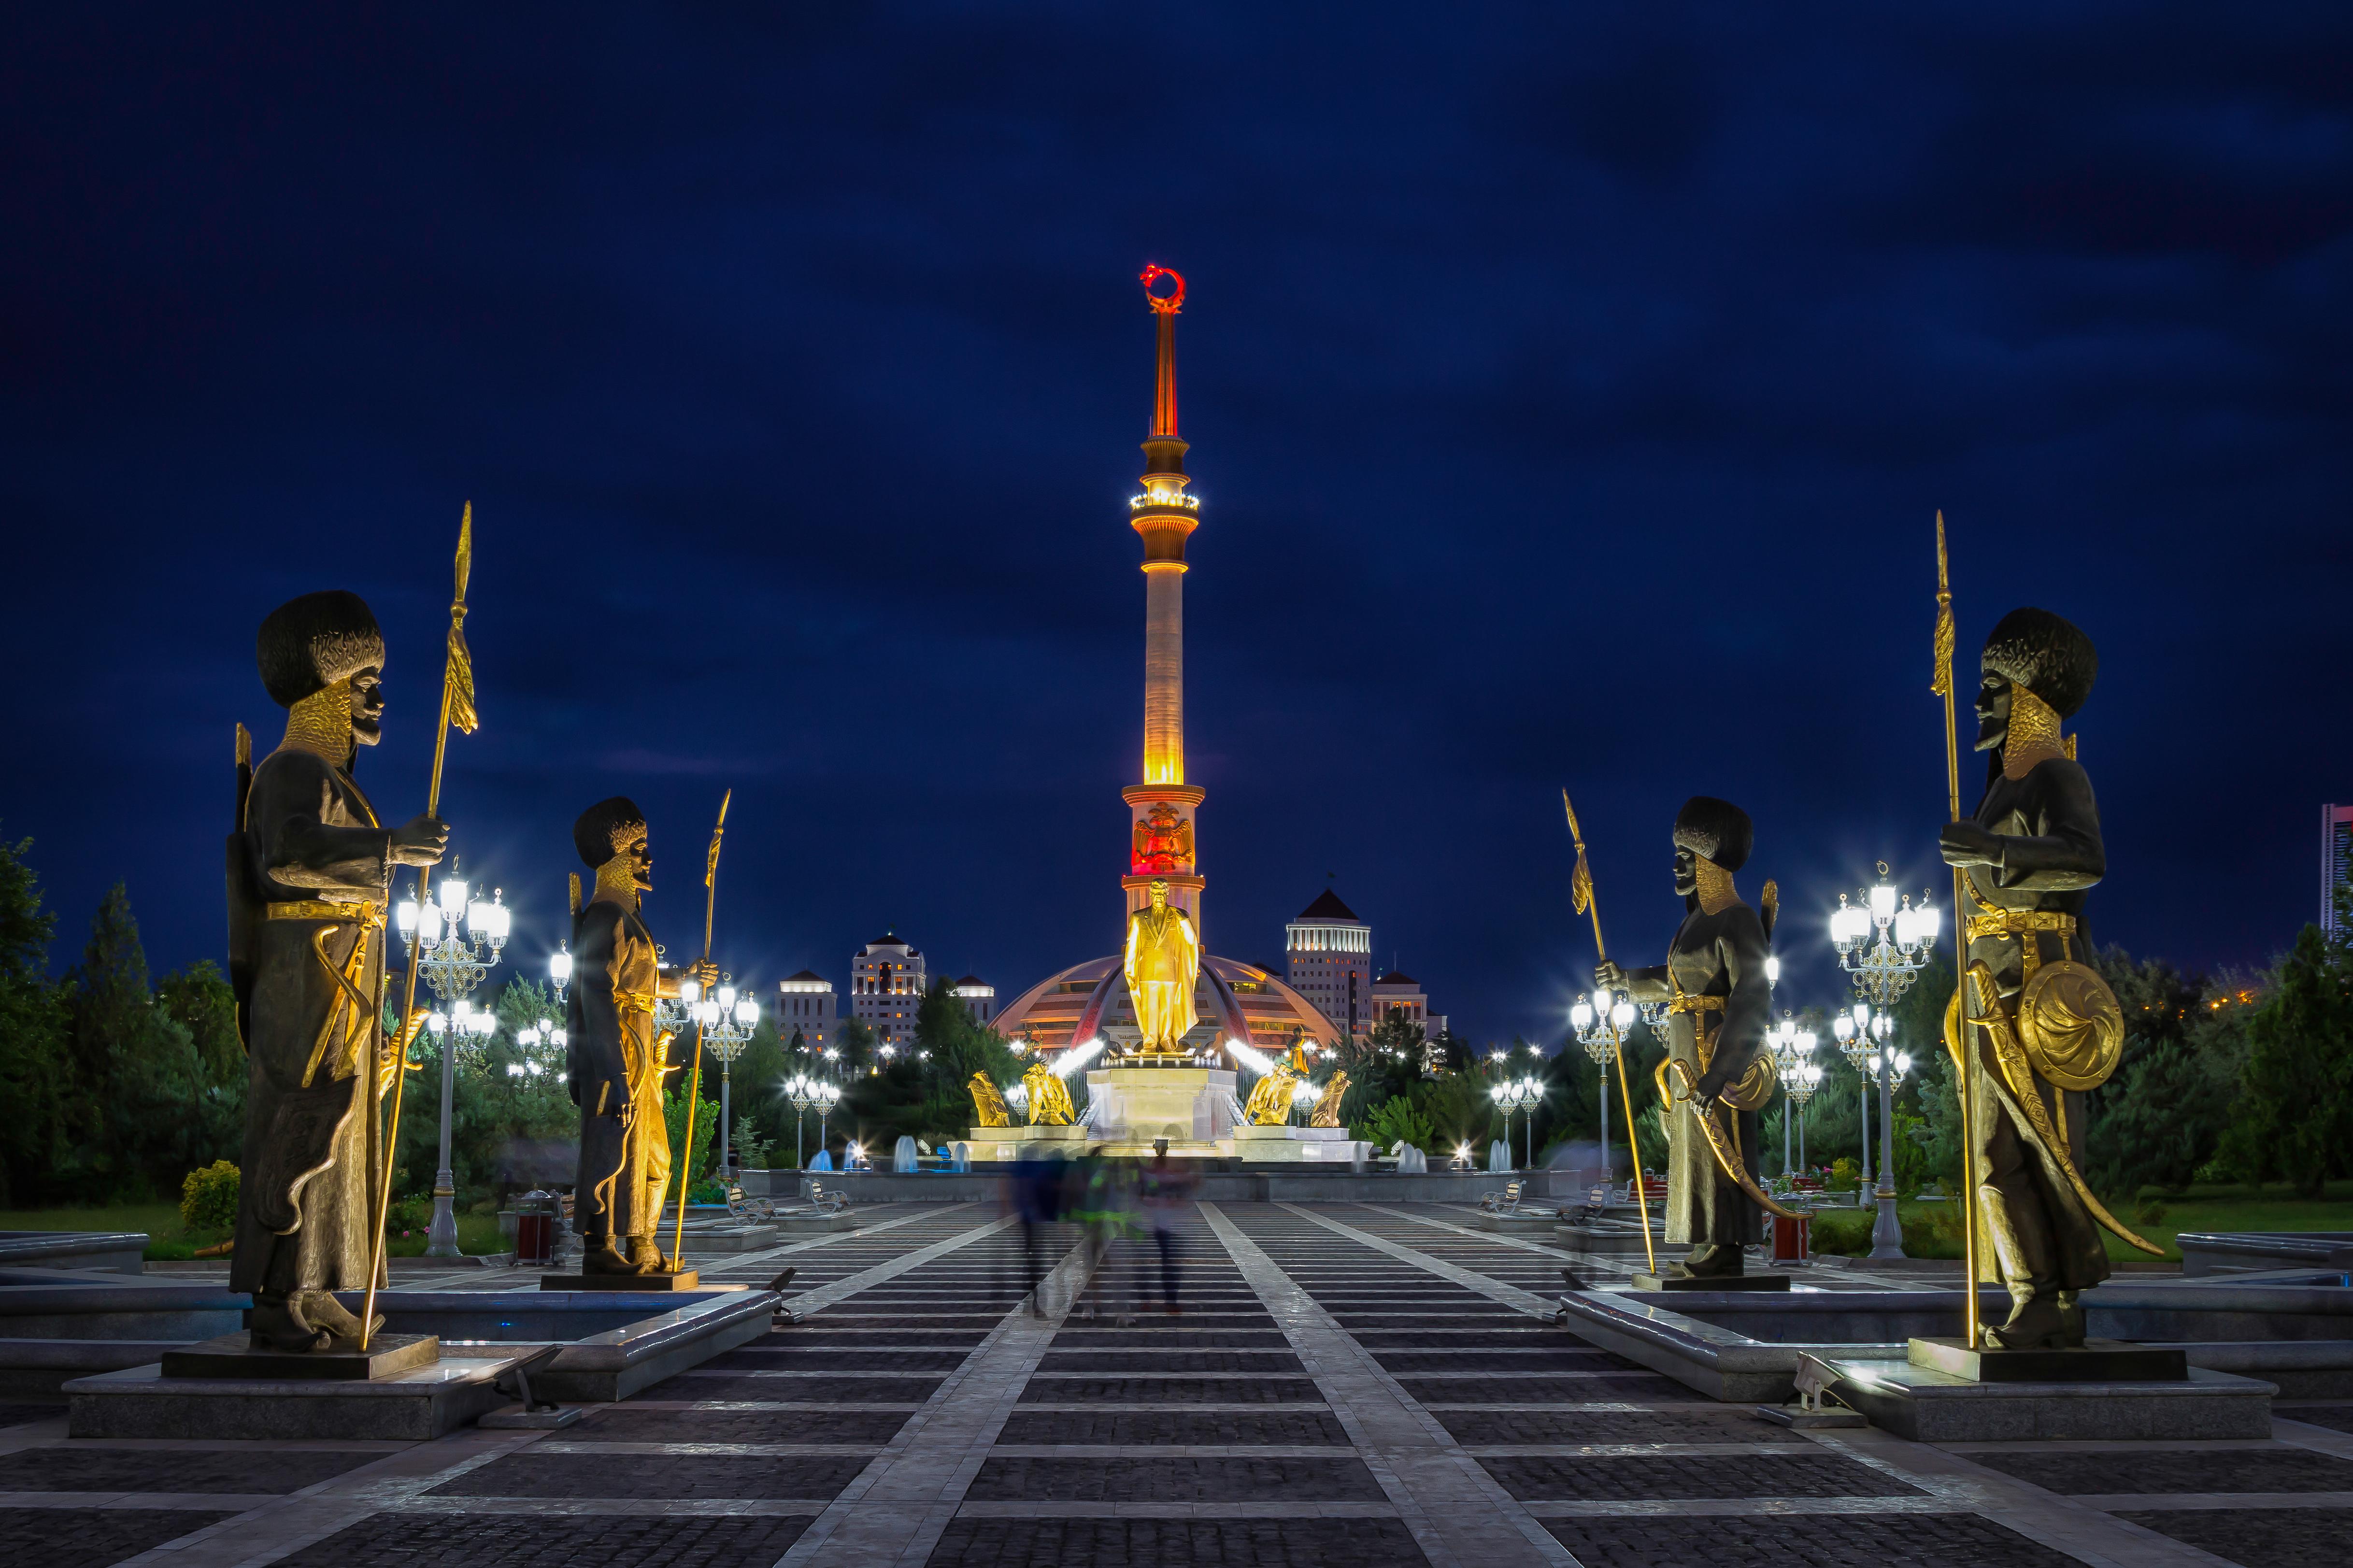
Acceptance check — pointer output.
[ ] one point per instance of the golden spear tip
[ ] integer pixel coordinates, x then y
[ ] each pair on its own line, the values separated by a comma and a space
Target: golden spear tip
465, 550
1571, 810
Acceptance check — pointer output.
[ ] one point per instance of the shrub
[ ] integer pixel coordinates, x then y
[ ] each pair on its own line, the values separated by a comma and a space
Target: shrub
1845, 1175
2151, 1213
208, 1197
1398, 1119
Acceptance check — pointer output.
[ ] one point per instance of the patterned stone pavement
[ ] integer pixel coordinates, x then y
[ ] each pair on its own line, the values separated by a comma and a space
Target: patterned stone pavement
1345, 1384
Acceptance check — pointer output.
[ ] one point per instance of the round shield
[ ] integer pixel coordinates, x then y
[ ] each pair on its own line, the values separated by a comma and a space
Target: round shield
2071, 1025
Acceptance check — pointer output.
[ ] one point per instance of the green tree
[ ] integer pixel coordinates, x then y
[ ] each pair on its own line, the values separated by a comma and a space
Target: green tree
33, 1031
198, 998
2161, 1115
853, 1050
2294, 1117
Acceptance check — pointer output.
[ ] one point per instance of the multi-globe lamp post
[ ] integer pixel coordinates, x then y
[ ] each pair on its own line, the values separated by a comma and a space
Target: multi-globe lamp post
540, 1043
1882, 945
804, 1092
453, 943
1522, 1095
726, 1018
1600, 1022
1793, 1063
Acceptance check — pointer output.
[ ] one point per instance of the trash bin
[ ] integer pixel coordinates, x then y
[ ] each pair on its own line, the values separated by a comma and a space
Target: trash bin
1793, 1239
535, 1229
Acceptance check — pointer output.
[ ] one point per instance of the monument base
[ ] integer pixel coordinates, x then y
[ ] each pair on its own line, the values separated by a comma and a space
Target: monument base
234, 1355
1931, 1406
1136, 1107
415, 1405
2096, 1361
623, 1284
1712, 1282
1294, 1146
999, 1143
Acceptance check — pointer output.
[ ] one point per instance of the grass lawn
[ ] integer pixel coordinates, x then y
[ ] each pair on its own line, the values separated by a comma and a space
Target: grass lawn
168, 1238
1933, 1230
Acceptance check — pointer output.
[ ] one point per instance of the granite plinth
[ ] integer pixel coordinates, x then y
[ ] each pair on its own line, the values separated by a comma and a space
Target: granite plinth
625, 1284
714, 1240
1602, 1240
1712, 1282
1517, 1224
1191, 1106
1798, 1418
424, 1403
236, 1356
514, 1417
1931, 1406
817, 1224
2096, 1361
996, 1143
1292, 1145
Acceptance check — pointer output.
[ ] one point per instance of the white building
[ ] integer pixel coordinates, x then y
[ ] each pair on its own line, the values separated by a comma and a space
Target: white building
1329, 953
978, 997
2335, 860
886, 986
1396, 991
804, 1006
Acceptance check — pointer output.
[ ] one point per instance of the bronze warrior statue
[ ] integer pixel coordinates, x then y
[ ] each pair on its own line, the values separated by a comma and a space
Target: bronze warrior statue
310, 874
2041, 1026
1718, 1001
616, 1059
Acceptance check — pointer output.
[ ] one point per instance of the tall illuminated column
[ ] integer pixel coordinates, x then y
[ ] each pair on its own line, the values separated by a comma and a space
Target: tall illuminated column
1161, 808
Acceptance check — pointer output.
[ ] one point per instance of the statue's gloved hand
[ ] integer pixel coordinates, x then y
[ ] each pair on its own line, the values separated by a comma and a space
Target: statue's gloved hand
705, 971
1966, 844
1609, 976
1708, 1090
422, 843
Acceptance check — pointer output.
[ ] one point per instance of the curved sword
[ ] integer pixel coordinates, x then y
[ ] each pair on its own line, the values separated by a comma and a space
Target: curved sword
1724, 1157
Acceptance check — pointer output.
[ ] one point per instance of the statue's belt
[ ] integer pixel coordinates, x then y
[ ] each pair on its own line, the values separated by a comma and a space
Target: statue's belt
352, 1006
1995, 920
369, 917
1682, 1004
633, 1001
1756, 1086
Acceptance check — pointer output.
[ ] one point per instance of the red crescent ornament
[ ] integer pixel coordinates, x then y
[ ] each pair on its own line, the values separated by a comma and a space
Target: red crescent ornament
1169, 304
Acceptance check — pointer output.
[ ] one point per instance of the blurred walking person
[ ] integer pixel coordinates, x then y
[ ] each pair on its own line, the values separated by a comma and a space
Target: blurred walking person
1168, 1193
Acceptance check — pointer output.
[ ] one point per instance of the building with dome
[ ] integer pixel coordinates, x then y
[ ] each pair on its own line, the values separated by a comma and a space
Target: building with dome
804, 1006
886, 986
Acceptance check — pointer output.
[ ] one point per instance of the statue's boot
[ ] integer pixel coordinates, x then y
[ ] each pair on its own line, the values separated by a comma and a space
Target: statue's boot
1710, 1260
602, 1257
2036, 1323
2071, 1319
279, 1324
322, 1310
646, 1257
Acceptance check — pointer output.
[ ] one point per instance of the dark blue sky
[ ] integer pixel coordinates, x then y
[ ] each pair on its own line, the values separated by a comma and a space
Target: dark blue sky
1571, 391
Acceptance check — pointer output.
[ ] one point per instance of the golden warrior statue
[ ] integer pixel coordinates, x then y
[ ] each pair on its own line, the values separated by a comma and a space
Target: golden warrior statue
617, 1065
1048, 1097
1717, 1002
1164, 961
2042, 1027
309, 877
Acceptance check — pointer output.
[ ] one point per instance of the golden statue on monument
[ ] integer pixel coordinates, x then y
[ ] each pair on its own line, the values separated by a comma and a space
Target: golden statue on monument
1271, 1097
1327, 1110
987, 1104
1164, 961
1049, 1096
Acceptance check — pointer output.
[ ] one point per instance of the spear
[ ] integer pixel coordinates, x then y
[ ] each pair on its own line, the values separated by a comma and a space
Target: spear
1941, 683
694, 1086
1580, 895
458, 709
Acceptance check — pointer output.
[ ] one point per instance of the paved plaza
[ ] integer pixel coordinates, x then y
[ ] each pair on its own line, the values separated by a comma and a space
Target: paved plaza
1346, 1384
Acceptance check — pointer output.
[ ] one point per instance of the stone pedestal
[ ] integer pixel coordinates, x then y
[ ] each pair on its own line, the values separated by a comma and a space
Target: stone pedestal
422, 1403
997, 1143
1712, 1282
1295, 1145
236, 1356
1191, 1106
625, 1284
2096, 1361
1931, 1406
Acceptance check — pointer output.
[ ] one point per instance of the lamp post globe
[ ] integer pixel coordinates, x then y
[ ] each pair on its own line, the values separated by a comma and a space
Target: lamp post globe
1883, 940
453, 943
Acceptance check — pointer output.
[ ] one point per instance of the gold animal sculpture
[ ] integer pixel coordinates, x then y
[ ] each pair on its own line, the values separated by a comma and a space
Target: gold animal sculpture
1049, 1096
1269, 1099
1327, 1108
987, 1104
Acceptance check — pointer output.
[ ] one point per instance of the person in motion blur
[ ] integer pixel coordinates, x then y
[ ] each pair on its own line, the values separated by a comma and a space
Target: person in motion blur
1168, 1193
1038, 1203
1106, 1207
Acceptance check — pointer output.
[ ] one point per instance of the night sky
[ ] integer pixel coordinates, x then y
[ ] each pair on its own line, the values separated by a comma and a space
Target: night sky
1571, 389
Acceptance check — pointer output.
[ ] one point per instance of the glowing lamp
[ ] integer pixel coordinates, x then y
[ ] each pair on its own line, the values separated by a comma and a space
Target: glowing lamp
404, 916
1842, 1028
1772, 970
747, 1012
727, 997
1580, 1018
1883, 901
690, 990
559, 966
451, 896
1621, 1016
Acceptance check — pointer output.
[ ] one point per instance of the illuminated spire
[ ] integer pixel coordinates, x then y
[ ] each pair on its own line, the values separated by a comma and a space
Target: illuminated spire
1164, 382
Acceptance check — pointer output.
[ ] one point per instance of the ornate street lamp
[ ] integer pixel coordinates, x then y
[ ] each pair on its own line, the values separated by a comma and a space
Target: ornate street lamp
1883, 968
1793, 1050
727, 1018
1523, 1096
453, 962
559, 971
804, 1092
1799, 1086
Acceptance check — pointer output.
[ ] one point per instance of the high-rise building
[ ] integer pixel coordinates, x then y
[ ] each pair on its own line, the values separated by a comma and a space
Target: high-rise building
804, 1006
1329, 953
2335, 860
978, 997
886, 986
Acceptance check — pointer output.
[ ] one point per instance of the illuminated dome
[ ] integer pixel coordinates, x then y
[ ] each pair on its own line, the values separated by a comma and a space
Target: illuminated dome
1236, 1000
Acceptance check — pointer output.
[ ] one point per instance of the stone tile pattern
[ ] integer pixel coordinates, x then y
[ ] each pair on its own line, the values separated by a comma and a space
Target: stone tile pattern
2260, 1537
657, 1476
90, 1537
19, 1414
627, 1423
1027, 1428
1175, 1543
1176, 1478
2124, 1472
1652, 1478
1814, 1541
92, 1469
415, 1539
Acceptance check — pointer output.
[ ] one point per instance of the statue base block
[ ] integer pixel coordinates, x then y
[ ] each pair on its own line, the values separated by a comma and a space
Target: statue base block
422, 1403
2096, 1361
234, 1355
1712, 1282
623, 1284
1293, 1146
1931, 1406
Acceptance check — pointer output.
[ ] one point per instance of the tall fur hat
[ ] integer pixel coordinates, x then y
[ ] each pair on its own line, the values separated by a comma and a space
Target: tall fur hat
307, 645
1714, 830
2049, 656
604, 826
